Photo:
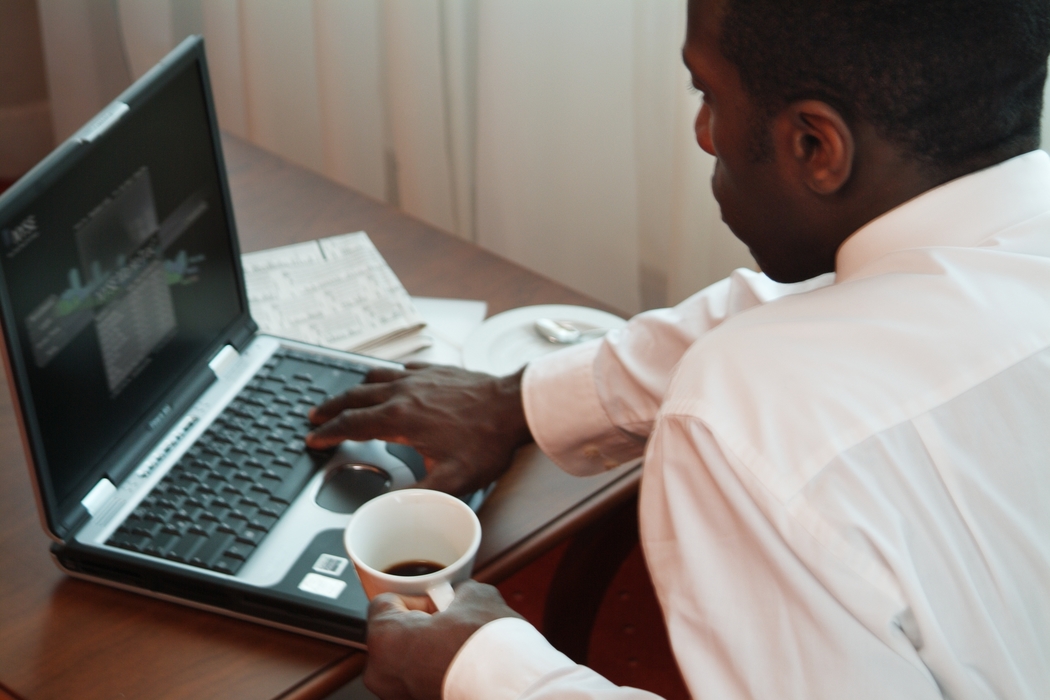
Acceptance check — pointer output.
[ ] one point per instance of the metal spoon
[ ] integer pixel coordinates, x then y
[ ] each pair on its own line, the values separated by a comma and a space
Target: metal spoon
565, 332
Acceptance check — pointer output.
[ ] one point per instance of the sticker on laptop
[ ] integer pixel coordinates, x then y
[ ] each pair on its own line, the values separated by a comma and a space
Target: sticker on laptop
330, 564
322, 585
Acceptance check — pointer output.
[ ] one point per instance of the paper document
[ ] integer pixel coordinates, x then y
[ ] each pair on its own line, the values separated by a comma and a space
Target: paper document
449, 323
337, 292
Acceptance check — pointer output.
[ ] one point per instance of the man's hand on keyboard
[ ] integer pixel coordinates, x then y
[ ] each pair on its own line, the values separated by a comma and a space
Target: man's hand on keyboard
465, 424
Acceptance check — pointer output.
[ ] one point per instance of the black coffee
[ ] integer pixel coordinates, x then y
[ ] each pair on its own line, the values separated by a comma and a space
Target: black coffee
417, 567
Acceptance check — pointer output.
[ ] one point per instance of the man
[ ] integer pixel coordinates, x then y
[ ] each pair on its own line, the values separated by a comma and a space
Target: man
846, 491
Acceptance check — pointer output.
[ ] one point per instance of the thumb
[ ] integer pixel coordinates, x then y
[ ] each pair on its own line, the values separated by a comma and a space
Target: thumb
445, 475
388, 605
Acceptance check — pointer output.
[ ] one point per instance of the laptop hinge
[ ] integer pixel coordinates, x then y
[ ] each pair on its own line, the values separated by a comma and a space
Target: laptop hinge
97, 497
223, 360
102, 123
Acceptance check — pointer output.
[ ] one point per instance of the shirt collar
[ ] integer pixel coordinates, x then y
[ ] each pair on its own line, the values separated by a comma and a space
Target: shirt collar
961, 212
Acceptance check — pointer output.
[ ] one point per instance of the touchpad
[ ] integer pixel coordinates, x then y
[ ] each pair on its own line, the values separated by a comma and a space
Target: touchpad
349, 486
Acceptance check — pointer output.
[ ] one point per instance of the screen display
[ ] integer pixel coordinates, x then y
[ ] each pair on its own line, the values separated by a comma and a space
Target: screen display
120, 276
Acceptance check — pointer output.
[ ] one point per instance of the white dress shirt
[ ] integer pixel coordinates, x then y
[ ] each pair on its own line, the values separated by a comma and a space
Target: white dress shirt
846, 491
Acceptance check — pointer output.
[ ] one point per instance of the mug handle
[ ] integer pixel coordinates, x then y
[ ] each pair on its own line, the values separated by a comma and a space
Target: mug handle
442, 595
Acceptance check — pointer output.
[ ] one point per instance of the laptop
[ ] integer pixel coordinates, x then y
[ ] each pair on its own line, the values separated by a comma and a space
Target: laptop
163, 432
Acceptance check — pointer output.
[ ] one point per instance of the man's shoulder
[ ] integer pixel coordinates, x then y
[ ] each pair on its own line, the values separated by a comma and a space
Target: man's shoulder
805, 377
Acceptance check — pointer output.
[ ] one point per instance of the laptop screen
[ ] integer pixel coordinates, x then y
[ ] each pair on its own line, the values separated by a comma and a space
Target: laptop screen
120, 276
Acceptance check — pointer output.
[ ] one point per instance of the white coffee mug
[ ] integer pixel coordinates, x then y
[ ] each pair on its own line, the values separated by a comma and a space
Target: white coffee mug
410, 526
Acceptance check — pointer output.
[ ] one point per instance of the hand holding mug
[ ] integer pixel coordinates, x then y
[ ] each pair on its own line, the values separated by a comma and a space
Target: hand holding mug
413, 542
409, 649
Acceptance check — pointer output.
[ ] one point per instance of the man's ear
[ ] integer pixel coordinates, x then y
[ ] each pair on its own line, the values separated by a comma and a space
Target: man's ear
820, 143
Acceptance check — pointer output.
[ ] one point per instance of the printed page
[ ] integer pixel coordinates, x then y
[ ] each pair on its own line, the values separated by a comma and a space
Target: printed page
449, 323
337, 292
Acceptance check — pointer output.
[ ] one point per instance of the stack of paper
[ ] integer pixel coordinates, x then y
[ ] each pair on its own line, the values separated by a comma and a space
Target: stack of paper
337, 292
449, 323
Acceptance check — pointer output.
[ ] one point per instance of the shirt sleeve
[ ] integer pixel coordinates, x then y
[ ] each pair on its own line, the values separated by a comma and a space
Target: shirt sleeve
508, 659
591, 407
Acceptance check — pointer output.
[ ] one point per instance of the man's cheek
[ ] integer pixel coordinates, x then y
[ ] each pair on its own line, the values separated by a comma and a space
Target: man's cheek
720, 191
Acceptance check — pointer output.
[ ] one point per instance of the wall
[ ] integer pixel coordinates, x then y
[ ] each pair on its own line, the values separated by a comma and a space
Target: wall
25, 113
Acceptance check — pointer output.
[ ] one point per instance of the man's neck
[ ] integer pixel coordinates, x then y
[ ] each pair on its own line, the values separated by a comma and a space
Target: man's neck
885, 178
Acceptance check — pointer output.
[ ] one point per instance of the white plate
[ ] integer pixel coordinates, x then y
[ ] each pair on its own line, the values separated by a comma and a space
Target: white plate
506, 342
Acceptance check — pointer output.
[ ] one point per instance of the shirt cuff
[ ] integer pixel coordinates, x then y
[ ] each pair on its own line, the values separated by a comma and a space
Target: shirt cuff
501, 661
566, 415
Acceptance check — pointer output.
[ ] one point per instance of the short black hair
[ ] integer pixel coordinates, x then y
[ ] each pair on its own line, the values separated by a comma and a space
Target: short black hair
954, 83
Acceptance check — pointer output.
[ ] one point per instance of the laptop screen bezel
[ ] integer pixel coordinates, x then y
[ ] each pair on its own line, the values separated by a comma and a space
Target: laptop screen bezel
61, 519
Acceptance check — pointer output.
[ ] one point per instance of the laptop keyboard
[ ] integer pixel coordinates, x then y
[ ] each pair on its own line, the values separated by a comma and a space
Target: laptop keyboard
215, 506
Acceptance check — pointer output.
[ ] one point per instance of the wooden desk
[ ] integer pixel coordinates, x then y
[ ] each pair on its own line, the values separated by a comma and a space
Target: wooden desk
62, 638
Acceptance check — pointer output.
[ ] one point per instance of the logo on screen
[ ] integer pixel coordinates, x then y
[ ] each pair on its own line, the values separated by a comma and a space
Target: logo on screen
17, 237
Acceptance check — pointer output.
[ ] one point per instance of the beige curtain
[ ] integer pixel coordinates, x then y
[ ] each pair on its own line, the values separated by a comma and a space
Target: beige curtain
557, 133
554, 132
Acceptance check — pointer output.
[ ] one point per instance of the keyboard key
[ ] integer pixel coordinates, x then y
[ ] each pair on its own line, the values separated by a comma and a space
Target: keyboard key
168, 503
249, 536
192, 510
231, 527
210, 552
248, 509
134, 543
273, 509
195, 529
173, 529
226, 565
225, 469
263, 490
240, 550
262, 522
161, 544
251, 500
206, 461
197, 500
219, 505
149, 530
236, 514
295, 481
210, 449
186, 548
